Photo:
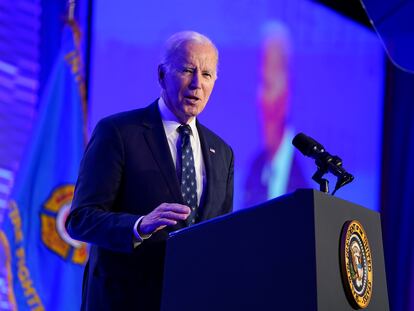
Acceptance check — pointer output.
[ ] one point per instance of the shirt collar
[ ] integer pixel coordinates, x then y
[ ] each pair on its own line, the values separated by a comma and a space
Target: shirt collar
170, 121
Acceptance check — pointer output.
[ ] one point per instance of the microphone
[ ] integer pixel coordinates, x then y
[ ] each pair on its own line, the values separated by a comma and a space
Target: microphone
307, 145
323, 159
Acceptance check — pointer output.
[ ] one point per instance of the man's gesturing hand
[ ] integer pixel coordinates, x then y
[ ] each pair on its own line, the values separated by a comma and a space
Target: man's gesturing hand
166, 214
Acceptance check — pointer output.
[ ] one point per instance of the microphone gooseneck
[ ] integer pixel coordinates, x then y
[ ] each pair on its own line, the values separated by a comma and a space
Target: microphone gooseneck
324, 161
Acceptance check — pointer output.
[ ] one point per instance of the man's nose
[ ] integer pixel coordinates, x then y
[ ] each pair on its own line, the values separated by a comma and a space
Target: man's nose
195, 81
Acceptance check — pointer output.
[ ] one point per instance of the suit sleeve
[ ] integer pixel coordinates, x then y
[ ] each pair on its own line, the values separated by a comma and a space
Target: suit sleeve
94, 217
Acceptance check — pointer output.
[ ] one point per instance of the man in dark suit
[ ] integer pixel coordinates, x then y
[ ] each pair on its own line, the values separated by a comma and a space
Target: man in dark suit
148, 172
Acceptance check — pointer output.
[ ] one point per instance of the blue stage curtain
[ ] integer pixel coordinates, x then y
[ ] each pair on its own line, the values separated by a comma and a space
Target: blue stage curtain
397, 210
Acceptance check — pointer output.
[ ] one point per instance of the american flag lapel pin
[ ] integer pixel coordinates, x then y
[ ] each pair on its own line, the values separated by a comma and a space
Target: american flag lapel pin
212, 150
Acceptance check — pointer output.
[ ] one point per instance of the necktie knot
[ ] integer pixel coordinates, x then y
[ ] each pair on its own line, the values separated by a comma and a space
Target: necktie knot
184, 130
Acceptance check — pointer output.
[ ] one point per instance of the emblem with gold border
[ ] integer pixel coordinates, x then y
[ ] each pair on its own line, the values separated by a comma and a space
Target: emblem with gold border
356, 264
54, 235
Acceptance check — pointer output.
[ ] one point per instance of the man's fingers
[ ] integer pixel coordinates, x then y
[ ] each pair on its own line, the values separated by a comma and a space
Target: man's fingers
173, 216
165, 222
149, 226
166, 214
175, 207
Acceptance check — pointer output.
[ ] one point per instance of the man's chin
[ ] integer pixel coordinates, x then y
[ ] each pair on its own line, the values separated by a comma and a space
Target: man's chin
186, 116
191, 112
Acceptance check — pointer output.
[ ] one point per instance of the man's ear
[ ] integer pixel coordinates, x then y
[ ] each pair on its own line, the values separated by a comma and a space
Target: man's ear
161, 75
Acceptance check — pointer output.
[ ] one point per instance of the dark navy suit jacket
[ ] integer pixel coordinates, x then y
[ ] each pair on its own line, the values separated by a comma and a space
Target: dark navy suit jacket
127, 171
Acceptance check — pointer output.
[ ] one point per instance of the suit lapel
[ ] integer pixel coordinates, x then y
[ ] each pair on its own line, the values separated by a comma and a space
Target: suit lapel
157, 142
208, 153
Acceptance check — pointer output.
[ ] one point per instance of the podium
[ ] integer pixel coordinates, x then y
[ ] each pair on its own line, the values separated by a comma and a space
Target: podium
284, 254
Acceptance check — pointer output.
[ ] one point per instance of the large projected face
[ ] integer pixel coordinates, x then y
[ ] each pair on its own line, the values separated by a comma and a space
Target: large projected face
189, 80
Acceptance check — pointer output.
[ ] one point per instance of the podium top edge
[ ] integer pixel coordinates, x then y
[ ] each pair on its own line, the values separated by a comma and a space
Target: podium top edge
243, 211
313, 194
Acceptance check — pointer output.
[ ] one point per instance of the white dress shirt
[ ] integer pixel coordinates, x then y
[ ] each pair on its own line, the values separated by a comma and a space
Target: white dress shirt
171, 124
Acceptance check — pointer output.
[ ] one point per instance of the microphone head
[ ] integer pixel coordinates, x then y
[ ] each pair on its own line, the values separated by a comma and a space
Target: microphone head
307, 145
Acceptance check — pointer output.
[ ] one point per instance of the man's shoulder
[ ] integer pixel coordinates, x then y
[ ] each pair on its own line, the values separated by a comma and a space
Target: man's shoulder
134, 118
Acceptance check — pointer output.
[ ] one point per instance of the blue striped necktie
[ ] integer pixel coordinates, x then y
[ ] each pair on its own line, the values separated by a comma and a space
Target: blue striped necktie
188, 175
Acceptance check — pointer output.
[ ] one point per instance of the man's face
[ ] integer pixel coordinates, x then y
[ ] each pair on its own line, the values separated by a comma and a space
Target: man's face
189, 81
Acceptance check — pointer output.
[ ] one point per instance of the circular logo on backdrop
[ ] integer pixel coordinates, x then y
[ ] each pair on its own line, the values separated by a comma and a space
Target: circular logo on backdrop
54, 235
356, 264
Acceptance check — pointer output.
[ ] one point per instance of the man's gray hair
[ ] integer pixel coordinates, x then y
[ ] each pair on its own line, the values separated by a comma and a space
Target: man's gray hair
178, 40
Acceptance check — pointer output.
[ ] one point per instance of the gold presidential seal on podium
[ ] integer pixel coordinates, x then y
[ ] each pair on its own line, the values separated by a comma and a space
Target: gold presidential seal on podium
356, 264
